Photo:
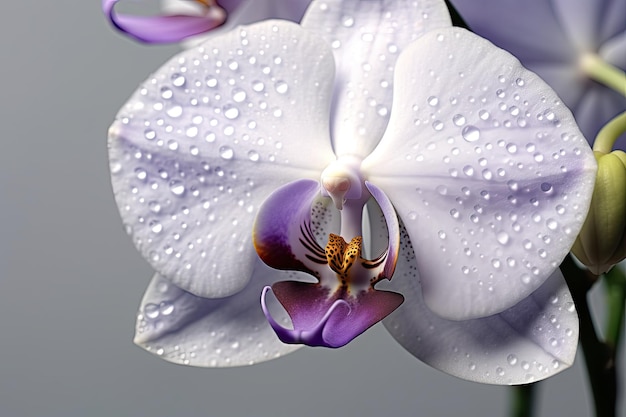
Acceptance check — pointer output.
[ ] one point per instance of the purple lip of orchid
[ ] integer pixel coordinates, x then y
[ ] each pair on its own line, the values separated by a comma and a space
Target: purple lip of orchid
343, 303
166, 29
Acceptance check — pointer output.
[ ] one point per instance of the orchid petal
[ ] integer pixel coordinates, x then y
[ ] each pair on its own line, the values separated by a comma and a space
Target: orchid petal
614, 51
322, 318
613, 23
164, 29
241, 12
492, 178
597, 107
206, 139
581, 22
393, 228
186, 329
367, 37
283, 233
529, 29
530, 341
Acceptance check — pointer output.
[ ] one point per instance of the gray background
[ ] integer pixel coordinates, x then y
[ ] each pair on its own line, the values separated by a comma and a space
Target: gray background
71, 281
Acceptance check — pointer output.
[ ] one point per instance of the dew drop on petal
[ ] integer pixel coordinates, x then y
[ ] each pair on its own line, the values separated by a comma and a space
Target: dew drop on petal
433, 101
177, 188
470, 133
226, 152
281, 87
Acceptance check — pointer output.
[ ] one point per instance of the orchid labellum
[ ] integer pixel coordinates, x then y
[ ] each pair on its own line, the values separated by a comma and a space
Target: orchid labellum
373, 142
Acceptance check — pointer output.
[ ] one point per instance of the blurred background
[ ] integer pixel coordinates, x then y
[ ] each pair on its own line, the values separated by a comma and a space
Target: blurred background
71, 280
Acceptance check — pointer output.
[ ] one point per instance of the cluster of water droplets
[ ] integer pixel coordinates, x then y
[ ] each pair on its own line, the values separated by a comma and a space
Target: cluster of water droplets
476, 349
173, 145
489, 164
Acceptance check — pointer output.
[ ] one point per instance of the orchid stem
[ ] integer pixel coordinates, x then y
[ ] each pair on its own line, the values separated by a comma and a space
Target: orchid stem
523, 400
599, 70
599, 356
609, 133
615, 281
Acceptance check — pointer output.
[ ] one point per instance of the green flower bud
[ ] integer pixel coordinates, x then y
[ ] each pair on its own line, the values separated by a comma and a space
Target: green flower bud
602, 240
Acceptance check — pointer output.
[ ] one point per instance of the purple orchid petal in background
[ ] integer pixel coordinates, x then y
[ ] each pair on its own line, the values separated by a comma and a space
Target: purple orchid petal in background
165, 29
551, 38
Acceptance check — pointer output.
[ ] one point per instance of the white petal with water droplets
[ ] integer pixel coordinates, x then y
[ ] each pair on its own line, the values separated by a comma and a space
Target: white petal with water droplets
202, 142
367, 37
491, 177
532, 340
183, 328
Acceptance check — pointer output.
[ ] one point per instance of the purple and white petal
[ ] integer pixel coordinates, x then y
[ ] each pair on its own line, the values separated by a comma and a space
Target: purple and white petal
203, 142
530, 341
165, 29
367, 37
284, 234
241, 12
529, 29
186, 329
321, 317
491, 176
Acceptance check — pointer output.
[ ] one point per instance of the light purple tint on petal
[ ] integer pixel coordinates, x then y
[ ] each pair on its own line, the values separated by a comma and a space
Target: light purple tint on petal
613, 23
532, 340
392, 226
331, 320
528, 29
283, 235
614, 50
203, 142
596, 108
367, 37
183, 328
163, 29
486, 168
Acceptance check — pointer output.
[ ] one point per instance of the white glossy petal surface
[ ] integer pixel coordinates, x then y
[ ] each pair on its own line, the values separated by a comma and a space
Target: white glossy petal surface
367, 36
190, 330
202, 142
486, 168
533, 340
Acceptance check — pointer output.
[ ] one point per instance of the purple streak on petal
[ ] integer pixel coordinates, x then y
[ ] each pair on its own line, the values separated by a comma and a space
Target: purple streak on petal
393, 228
321, 319
163, 29
283, 223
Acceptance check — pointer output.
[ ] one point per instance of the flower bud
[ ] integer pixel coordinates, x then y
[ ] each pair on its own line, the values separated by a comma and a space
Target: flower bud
602, 240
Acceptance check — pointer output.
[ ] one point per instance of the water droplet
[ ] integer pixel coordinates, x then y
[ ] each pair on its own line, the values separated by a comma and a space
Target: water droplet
226, 152
458, 120
281, 87
546, 187
156, 227
239, 95
166, 93
166, 308
253, 156
483, 114
347, 21
175, 111
511, 359
178, 80
503, 237
470, 133
433, 101
231, 112
437, 125
552, 224
520, 82
177, 187
258, 86
151, 311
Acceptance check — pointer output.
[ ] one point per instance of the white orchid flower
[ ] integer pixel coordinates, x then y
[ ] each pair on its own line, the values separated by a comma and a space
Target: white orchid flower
560, 40
475, 177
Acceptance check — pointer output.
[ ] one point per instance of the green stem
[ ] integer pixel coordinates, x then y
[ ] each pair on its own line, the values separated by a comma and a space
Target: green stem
609, 133
523, 401
599, 70
615, 281
599, 357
